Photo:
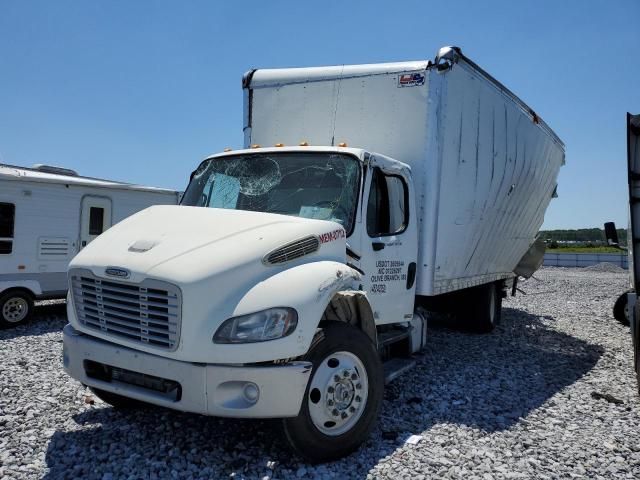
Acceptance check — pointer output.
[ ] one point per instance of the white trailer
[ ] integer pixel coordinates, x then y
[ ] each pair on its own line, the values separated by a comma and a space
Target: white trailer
290, 280
47, 215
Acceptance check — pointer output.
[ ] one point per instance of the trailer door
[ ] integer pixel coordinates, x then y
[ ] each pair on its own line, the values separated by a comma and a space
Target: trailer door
95, 218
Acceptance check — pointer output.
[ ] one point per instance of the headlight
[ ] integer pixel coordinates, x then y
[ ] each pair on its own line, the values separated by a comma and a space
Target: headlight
258, 327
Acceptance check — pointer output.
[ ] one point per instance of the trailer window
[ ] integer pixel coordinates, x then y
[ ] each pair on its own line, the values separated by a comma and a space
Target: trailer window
96, 220
387, 208
7, 222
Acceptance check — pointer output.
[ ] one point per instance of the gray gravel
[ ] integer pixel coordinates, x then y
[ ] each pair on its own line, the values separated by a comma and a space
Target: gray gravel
550, 394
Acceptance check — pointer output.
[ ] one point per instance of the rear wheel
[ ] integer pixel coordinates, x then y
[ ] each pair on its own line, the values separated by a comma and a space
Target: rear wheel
483, 310
621, 309
15, 307
343, 397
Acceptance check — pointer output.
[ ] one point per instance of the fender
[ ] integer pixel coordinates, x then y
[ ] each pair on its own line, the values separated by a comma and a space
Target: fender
32, 285
307, 288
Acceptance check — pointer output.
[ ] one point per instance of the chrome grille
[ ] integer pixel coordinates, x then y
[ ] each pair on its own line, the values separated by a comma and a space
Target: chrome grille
146, 312
293, 250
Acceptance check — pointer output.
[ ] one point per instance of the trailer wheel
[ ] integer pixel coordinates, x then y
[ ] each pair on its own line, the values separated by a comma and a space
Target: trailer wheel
485, 308
118, 402
343, 397
620, 309
15, 307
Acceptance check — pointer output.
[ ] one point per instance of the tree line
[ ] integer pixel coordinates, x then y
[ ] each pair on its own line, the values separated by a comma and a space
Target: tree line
582, 235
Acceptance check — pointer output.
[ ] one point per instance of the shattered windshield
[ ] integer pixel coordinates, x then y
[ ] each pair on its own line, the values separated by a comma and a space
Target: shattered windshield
312, 185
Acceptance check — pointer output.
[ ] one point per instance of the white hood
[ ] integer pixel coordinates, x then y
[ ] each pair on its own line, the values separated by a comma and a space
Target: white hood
185, 244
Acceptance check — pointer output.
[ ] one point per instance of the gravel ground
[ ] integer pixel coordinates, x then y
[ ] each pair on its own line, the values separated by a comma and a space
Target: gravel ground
523, 402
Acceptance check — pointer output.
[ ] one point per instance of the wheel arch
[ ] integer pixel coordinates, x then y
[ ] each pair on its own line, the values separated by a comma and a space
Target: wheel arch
19, 289
353, 308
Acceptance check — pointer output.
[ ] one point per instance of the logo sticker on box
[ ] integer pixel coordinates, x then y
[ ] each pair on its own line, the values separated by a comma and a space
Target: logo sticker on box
411, 79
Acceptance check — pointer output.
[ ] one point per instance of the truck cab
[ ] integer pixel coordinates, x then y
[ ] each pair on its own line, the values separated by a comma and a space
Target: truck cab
216, 306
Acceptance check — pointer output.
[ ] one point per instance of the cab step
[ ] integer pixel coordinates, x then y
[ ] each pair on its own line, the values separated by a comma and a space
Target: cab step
395, 367
392, 336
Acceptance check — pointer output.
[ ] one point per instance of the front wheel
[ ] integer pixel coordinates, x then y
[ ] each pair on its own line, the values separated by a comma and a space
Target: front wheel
15, 307
343, 397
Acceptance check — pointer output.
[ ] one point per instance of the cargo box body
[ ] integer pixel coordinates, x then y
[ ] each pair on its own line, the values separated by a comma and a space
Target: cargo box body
484, 165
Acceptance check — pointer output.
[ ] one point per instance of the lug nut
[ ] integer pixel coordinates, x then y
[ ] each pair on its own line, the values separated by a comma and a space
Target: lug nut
330, 402
330, 389
345, 373
352, 409
344, 415
358, 399
354, 376
335, 412
336, 378
358, 386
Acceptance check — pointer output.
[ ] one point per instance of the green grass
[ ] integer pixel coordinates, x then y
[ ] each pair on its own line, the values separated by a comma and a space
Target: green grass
584, 250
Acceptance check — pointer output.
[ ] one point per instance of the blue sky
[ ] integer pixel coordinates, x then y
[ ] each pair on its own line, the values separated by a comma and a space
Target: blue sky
141, 91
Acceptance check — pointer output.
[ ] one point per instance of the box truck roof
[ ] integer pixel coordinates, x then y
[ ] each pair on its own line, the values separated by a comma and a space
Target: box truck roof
407, 74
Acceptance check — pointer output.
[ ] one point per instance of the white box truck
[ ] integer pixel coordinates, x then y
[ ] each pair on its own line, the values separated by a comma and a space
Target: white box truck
47, 215
286, 283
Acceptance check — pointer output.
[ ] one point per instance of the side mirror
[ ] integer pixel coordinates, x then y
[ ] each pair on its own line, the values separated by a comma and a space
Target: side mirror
612, 234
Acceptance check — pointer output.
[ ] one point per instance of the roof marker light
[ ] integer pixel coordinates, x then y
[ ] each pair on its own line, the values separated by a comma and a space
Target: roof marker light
255, 145
279, 145
227, 149
342, 144
304, 143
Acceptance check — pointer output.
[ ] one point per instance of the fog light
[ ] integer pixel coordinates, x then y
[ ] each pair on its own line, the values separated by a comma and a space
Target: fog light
251, 392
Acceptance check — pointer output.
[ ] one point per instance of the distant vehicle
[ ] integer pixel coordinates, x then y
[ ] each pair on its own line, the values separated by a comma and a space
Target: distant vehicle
285, 285
47, 215
627, 308
621, 306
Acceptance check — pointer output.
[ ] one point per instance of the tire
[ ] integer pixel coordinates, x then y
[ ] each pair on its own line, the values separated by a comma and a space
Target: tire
118, 402
16, 307
345, 362
483, 310
620, 312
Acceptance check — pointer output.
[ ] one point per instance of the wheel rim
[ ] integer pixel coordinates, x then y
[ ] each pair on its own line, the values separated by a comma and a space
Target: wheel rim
15, 309
338, 393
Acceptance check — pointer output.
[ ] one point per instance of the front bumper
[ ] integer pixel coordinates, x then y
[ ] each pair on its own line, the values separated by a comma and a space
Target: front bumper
270, 391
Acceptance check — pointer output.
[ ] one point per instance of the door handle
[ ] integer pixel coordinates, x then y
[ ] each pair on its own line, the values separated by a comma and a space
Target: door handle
84, 243
411, 275
377, 246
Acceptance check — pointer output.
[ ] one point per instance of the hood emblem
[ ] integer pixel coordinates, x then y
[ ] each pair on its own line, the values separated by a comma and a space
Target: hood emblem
117, 272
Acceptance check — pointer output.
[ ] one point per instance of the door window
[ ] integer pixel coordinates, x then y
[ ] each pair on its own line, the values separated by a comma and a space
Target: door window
7, 221
96, 220
387, 209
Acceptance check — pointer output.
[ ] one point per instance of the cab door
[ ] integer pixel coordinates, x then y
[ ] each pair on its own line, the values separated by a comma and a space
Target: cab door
389, 241
95, 218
